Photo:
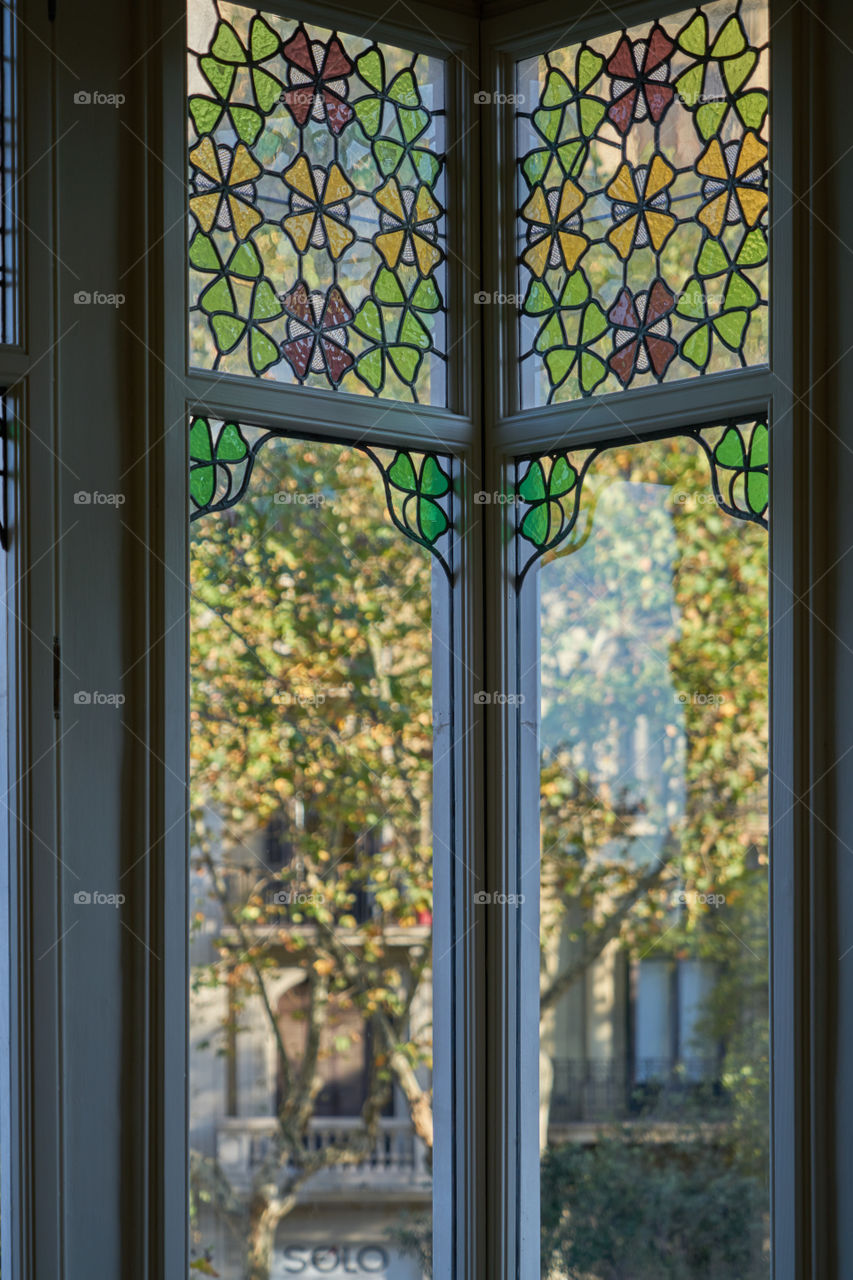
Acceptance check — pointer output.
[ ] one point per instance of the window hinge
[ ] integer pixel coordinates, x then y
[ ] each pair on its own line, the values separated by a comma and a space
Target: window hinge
56, 661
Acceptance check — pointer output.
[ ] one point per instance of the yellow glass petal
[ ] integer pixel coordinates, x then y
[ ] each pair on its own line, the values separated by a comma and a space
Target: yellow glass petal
659, 226
537, 256
714, 213
622, 236
753, 202
390, 245
299, 227
752, 152
713, 163
571, 198
338, 237
206, 158
337, 187
390, 199
573, 246
426, 208
622, 187
427, 254
536, 209
660, 176
243, 216
244, 166
301, 178
205, 209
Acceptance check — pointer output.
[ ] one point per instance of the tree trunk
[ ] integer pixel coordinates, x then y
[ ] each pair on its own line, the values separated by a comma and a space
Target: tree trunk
265, 1213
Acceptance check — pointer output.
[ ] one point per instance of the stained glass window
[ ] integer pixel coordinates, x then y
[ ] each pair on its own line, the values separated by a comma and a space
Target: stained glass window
643, 205
317, 199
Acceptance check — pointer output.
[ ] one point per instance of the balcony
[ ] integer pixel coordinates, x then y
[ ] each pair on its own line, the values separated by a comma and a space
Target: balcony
398, 1166
592, 1092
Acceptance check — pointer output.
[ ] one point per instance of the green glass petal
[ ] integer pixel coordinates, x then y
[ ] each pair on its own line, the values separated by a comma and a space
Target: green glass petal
532, 487
712, 260
752, 108
432, 519
548, 123
426, 296
413, 332
406, 362
759, 446
757, 491
206, 114
594, 324
691, 300
245, 262
218, 296
535, 524
369, 321
571, 156
588, 68
433, 479
403, 90
730, 40
267, 89
371, 68
203, 254
369, 114
387, 289
740, 292
412, 123
534, 166
263, 40
231, 447
551, 335
696, 347
265, 304
557, 89
730, 326
369, 368
388, 155
427, 166
201, 445
202, 485
690, 84
737, 70
590, 115
753, 251
562, 479
218, 74
402, 473
709, 118
593, 370
247, 123
729, 452
539, 299
559, 364
576, 290
694, 37
264, 351
228, 331
226, 45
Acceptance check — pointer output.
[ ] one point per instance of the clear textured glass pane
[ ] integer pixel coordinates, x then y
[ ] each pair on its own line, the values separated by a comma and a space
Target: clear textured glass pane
311, 877
642, 198
654, 827
316, 206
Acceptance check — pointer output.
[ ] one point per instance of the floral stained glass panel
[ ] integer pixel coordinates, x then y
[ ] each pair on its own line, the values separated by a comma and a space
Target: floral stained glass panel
317, 226
643, 204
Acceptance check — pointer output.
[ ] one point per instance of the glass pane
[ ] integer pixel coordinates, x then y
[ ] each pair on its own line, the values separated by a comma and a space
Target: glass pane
311, 877
654, 828
9, 178
642, 195
317, 198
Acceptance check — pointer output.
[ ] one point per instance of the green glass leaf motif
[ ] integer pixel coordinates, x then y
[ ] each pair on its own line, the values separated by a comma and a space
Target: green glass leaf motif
227, 45
729, 452
263, 40
371, 68
219, 75
402, 473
